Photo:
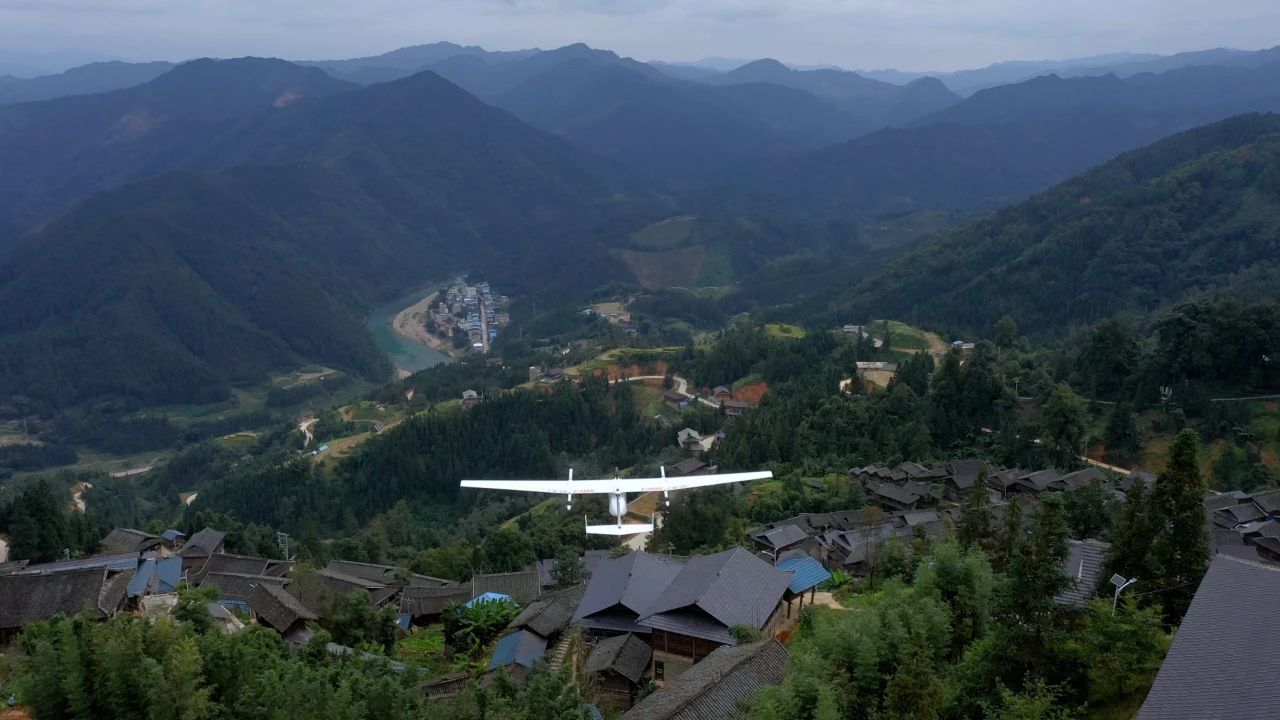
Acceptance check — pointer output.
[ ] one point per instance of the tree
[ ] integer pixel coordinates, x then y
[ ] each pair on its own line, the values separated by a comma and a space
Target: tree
1010, 536
1131, 539
975, 520
1006, 332
1087, 510
506, 550
1064, 424
568, 570
914, 692
1180, 548
193, 607
1121, 435
1122, 650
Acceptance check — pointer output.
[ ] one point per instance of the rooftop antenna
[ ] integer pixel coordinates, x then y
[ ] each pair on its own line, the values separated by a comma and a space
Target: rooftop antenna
1121, 584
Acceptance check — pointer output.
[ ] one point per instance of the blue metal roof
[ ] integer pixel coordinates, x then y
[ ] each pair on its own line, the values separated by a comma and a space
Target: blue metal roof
169, 574
522, 648
172, 534
488, 597
142, 578
808, 573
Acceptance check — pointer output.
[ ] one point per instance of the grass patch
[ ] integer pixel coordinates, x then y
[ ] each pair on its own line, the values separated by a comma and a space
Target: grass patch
666, 234
783, 331
903, 336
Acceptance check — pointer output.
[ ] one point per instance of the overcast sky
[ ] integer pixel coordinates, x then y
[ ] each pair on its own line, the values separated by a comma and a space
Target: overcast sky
905, 34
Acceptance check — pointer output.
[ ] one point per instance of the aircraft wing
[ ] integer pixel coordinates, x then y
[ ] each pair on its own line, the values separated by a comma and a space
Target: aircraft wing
659, 484
553, 487
612, 485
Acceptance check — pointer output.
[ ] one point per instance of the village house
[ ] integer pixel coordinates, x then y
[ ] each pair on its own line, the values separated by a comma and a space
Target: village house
619, 665
691, 466
734, 408
675, 400
1222, 661
101, 592
470, 399
689, 440
684, 609
1085, 561
124, 540
721, 687
721, 393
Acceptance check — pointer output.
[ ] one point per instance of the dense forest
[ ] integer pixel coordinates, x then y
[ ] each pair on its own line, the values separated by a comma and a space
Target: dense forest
1193, 214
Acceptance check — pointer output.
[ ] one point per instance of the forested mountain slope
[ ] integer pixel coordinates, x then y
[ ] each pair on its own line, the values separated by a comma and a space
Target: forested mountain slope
83, 80
1195, 213
169, 290
1003, 144
53, 153
673, 129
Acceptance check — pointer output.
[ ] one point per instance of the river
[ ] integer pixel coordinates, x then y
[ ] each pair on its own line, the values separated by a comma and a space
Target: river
405, 353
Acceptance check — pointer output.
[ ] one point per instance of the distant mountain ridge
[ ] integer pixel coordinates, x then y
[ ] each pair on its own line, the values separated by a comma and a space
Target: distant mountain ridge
56, 152
83, 80
1195, 213
173, 289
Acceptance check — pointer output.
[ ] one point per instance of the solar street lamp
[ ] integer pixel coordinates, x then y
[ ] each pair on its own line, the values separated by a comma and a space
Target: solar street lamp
1121, 584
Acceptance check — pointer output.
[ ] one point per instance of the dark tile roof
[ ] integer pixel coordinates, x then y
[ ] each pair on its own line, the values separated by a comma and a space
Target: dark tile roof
1038, 481
732, 587
384, 574
523, 586
520, 648
691, 466
243, 565
116, 561
125, 540
916, 471
964, 473
784, 536
1211, 671
552, 613
1079, 478
276, 607
426, 600
720, 687
1218, 501
1269, 501
13, 566
31, 598
1085, 559
204, 543
898, 495
1237, 515
626, 655
632, 581
237, 587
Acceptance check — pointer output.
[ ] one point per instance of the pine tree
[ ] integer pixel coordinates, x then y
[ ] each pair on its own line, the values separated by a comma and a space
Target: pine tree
1010, 535
914, 692
1121, 434
975, 520
1180, 547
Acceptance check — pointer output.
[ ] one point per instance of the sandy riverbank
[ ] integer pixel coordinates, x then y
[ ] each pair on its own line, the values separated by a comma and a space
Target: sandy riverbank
411, 323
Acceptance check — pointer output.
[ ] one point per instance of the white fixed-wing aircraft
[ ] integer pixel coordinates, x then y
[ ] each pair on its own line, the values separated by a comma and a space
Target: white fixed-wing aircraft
617, 489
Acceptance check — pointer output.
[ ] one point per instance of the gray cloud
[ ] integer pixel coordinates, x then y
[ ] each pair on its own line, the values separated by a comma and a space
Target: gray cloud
908, 34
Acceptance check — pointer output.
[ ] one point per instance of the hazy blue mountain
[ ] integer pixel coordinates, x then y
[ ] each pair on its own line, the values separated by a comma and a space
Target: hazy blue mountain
1003, 144
1197, 95
83, 80
58, 151
1123, 65
172, 289
685, 72
1196, 213
878, 103
672, 129
411, 58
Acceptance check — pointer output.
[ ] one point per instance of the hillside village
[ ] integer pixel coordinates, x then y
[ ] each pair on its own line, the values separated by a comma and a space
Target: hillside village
655, 636
476, 312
